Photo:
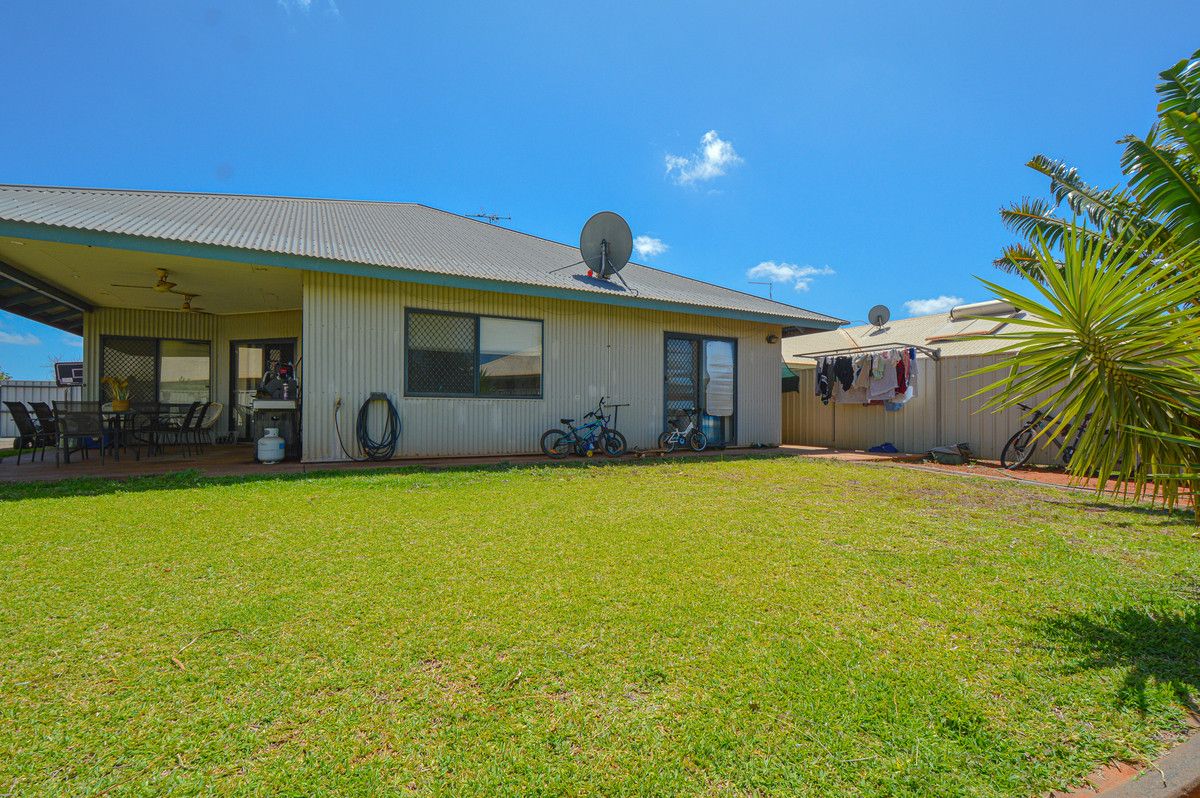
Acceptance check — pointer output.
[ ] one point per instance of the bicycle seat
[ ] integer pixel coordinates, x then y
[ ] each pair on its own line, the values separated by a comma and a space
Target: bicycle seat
566, 420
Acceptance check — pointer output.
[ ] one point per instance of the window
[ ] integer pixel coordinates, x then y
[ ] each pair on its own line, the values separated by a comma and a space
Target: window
183, 371
162, 370
453, 354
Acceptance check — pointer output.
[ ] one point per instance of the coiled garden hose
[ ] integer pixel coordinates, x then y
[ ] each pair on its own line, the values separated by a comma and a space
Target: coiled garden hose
381, 449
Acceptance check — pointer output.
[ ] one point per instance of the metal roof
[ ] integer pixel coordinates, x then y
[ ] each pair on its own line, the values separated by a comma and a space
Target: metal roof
379, 234
922, 330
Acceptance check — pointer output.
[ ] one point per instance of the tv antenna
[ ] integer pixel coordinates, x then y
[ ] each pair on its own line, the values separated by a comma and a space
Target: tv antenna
490, 218
770, 287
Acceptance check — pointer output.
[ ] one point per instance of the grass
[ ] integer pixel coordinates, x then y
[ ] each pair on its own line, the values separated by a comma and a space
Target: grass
720, 627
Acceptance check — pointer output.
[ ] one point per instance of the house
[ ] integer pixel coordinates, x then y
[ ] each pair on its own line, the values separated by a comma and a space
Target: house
482, 336
944, 409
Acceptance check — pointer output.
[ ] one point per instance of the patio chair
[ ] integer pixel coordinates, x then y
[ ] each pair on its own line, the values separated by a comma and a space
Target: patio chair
78, 422
45, 419
208, 420
29, 436
178, 432
143, 425
193, 431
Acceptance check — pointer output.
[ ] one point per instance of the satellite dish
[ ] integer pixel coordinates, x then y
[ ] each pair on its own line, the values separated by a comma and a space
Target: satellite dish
605, 244
879, 315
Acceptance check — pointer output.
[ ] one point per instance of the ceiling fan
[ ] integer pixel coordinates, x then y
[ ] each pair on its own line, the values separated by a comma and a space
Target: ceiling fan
162, 286
185, 308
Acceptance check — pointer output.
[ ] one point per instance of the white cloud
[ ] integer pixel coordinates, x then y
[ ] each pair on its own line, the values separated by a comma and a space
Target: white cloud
800, 277
305, 6
19, 339
714, 156
647, 247
938, 304
73, 341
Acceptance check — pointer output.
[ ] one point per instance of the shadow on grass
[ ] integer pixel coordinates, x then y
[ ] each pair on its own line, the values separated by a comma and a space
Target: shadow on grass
194, 478
1154, 647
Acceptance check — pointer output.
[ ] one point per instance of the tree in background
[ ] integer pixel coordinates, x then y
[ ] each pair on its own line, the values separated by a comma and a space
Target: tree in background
4, 375
1113, 324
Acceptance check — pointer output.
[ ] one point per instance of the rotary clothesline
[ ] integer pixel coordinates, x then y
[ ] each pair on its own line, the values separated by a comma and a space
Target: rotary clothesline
879, 374
935, 354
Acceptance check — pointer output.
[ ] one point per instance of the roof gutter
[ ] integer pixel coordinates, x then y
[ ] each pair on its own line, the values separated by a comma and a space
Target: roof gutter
189, 249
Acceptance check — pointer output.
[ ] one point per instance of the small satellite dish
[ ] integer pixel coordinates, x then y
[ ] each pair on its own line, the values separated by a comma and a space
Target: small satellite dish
879, 315
605, 244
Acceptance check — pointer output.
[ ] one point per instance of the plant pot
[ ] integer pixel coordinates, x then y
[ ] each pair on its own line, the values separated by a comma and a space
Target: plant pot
120, 405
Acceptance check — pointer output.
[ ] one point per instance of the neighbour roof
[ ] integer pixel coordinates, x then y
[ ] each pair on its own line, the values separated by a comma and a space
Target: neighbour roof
936, 330
405, 236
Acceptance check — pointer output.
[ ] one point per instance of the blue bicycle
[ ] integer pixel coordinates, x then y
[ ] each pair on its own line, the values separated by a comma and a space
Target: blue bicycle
585, 440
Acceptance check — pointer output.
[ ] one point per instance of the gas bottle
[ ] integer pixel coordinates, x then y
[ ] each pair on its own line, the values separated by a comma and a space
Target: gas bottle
270, 446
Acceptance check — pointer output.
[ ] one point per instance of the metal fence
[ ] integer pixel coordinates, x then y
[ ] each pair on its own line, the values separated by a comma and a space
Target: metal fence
943, 412
28, 391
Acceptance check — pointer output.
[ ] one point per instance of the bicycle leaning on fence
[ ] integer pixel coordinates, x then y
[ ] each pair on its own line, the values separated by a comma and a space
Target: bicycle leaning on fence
593, 435
1020, 446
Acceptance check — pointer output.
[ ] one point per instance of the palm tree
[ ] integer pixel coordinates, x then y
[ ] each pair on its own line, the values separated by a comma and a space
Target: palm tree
1112, 328
1161, 201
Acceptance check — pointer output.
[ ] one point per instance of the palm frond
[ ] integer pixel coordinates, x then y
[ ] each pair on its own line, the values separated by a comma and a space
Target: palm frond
1180, 87
1104, 207
1165, 183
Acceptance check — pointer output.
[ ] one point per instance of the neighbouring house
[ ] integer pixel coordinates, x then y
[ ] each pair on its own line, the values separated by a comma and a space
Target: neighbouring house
943, 411
481, 335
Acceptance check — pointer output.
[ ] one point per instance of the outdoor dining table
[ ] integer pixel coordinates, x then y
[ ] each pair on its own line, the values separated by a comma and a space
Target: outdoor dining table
118, 423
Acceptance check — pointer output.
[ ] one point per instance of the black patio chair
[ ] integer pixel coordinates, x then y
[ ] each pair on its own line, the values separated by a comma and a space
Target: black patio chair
78, 422
29, 435
45, 419
178, 432
143, 424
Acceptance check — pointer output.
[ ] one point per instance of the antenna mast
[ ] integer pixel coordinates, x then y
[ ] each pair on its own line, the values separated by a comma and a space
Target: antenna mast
770, 287
490, 218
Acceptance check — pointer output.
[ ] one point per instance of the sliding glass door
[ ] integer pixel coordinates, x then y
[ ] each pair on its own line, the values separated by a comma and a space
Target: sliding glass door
700, 374
158, 369
249, 361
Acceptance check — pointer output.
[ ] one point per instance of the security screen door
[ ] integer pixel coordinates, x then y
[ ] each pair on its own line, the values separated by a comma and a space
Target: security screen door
701, 372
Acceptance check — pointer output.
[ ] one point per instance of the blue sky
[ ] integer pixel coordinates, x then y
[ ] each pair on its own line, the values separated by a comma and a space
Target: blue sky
867, 146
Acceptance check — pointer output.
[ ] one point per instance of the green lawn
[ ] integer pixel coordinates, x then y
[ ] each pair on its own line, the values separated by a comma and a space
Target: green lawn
721, 627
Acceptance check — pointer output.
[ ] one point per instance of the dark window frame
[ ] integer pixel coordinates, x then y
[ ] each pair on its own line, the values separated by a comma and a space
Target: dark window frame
158, 359
475, 394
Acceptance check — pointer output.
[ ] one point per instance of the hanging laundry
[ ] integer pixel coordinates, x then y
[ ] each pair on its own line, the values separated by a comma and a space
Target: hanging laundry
843, 370
884, 387
901, 372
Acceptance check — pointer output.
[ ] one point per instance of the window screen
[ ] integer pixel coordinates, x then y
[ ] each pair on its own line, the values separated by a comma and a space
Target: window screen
133, 359
441, 354
451, 354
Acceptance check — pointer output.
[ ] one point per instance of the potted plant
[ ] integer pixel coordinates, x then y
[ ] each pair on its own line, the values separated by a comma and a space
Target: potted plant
118, 387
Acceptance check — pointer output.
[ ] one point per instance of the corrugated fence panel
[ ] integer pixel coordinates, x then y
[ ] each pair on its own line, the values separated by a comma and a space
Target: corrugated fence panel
354, 331
916, 428
28, 391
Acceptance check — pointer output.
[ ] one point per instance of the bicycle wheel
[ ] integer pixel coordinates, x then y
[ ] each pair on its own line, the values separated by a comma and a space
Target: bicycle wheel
614, 443
698, 441
666, 442
1018, 450
557, 444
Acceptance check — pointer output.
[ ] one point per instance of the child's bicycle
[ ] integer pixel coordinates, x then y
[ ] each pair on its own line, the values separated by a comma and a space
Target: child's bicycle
690, 436
586, 439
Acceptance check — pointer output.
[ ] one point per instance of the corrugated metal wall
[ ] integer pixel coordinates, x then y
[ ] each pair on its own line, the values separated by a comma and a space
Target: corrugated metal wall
353, 336
919, 426
218, 330
27, 391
